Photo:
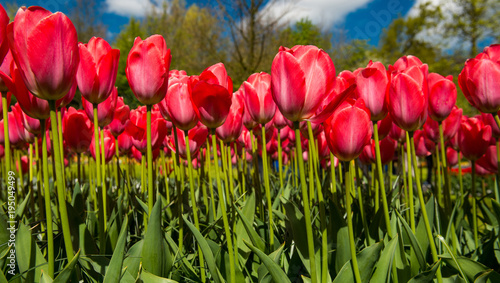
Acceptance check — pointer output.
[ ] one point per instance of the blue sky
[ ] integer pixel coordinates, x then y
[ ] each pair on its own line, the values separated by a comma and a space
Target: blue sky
362, 19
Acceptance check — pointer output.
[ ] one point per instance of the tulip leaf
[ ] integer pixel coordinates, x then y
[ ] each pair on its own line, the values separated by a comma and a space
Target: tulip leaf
254, 237
426, 276
470, 268
488, 277
263, 272
367, 258
28, 255
383, 267
147, 277
274, 269
413, 242
22, 206
65, 275
245, 222
205, 248
45, 278
156, 257
133, 259
113, 273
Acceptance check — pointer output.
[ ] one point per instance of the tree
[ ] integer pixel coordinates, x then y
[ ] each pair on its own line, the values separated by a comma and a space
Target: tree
86, 17
304, 32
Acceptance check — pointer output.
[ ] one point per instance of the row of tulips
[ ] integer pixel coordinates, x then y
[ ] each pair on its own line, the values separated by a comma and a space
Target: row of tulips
303, 116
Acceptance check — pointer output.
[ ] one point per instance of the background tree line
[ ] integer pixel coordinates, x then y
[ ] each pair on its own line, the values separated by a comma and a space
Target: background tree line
245, 35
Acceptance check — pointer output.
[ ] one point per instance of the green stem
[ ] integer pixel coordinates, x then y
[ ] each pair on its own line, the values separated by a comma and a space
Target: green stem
150, 161
280, 159
460, 178
96, 144
361, 206
117, 166
6, 132
48, 206
447, 182
305, 200
165, 175
428, 229
381, 180
103, 175
334, 178
229, 238
410, 182
61, 192
438, 175
210, 183
474, 206
349, 178
193, 200
60, 136
180, 189
266, 186
497, 191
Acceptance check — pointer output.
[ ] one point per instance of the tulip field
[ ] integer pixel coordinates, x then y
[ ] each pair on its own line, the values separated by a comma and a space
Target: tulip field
305, 174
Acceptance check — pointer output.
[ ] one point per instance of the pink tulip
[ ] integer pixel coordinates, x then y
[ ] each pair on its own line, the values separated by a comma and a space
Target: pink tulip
301, 78
177, 105
124, 143
479, 80
232, 127
197, 138
423, 145
348, 130
120, 117
109, 145
97, 70
4, 21
45, 48
489, 160
442, 96
372, 85
105, 109
452, 123
258, 98
78, 131
147, 69
136, 128
474, 138
452, 157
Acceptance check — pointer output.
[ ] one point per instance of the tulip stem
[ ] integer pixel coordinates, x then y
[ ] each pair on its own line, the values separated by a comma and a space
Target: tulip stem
460, 178
78, 167
381, 180
349, 182
305, 200
60, 136
150, 161
103, 175
266, 186
61, 192
334, 178
497, 192
222, 204
280, 159
405, 184
165, 175
410, 182
96, 144
117, 167
474, 206
210, 183
428, 228
6, 133
180, 190
193, 200
447, 182
48, 206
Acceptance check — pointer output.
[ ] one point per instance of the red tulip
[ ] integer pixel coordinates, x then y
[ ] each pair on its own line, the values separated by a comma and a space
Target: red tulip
120, 117
109, 145
124, 143
397, 134
248, 122
489, 160
177, 105
136, 128
31, 125
372, 83
474, 138
348, 130
45, 48
147, 69
479, 80
24, 164
279, 120
78, 130
33, 106
452, 123
5, 71
258, 98
407, 98
105, 109
211, 95
488, 119
232, 127
302, 77
4, 21
442, 96
451, 157
423, 145
197, 138
18, 134
431, 129
97, 70
404, 63
384, 127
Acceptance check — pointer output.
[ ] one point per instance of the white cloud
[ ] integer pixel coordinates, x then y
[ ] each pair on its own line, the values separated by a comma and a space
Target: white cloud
323, 13
135, 8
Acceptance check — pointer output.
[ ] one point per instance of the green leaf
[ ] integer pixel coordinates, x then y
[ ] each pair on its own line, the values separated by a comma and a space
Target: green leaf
426, 276
22, 206
471, 268
263, 272
413, 242
383, 267
205, 248
65, 275
147, 277
274, 269
113, 273
133, 259
45, 278
241, 231
488, 277
28, 255
366, 261
156, 257
254, 237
